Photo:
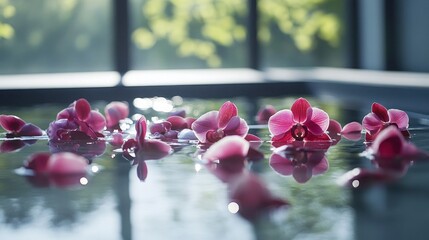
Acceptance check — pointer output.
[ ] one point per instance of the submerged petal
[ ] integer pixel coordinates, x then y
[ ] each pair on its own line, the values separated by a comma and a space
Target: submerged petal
317, 121
67, 163
281, 122
83, 109
299, 110
399, 117
352, 131
11, 123
207, 122
142, 170
226, 112
388, 143
380, 111
281, 164
38, 162
153, 150
230, 147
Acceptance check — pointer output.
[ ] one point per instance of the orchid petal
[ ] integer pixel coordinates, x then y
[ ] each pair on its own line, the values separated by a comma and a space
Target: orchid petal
372, 123
153, 150
281, 122
96, 121
299, 110
38, 162
241, 130
142, 170
334, 130
317, 121
67, 163
380, 111
321, 167
226, 112
189, 121
233, 124
230, 147
205, 123
30, 130
11, 123
389, 143
67, 113
83, 109
353, 127
160, 128
282, 139
116, 111
398, 117
177, 123
141, 128
265, 113
127, 147
302, 173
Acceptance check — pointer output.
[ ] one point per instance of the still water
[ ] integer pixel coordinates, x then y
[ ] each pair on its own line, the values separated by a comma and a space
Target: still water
181, 199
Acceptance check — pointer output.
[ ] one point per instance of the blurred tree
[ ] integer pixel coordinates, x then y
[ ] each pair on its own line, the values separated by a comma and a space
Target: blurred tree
7, 11
201, 29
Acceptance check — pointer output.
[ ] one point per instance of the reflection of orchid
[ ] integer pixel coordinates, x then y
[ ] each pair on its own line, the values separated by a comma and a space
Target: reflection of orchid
380, 118
87, 149
141, 149
115, 111
17, 127
302, 164
14, 145
77, 122
214, 125
249, 197
58, 169
301, 123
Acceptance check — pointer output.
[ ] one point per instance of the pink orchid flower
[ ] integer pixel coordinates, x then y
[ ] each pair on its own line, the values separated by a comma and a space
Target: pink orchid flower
214, 125
251, 197
301, 123
77, 122
380, 118
141, 149
16, 127
302, 164
115, 112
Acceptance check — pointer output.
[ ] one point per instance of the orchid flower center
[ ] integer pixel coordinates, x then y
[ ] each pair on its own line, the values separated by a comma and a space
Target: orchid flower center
299, 132
214, 136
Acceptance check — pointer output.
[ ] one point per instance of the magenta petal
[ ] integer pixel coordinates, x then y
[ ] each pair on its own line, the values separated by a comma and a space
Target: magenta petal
189, 121
281, 122
96, 121
233, 124
177, 123
398, 117
207, 122
153, 150
38, 162
142, 170
67, 113
241, 130
299, 110
11, 123
302, 173
334, 130
30, 130
380, 111
226, 112
230, 147
67, 163
115, 111
265, 113
317, 121
141, 128
353, 127
372, 123
83, 109
388, 143
281, 164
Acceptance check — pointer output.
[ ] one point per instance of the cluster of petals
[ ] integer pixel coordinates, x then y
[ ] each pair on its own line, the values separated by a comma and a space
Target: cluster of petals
77, 122
16, 127
380, 118
174, 127
301, 123
214, 125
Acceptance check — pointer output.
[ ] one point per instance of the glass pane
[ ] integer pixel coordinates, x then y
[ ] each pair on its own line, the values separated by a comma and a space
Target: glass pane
55, 36
302, 33
188, 33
